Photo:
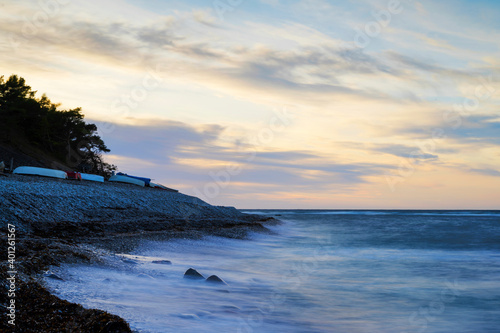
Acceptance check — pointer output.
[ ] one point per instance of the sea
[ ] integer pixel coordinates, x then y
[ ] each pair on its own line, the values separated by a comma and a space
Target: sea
319, 271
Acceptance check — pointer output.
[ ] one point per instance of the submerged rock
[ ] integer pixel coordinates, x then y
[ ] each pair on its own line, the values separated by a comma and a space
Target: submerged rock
188, 316
129, 261
162, 262
145, 276
215, 279
202, 313
193, 274
51, 275
231, 308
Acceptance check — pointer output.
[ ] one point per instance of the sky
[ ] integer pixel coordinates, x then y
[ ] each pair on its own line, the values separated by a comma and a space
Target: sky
300, 104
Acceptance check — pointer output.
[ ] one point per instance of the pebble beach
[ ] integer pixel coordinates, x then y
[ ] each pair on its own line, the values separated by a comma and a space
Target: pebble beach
61, 221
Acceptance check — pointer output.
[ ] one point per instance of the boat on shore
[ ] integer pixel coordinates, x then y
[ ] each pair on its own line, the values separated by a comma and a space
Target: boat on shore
35, 171
127, 179
146, 181
154, 185
93, 178
74, 175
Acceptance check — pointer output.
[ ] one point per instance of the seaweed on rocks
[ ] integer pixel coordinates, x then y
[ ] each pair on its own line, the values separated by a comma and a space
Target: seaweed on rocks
40, 311
37, 310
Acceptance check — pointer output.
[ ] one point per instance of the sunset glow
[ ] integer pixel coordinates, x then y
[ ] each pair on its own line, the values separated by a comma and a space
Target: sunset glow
279, 104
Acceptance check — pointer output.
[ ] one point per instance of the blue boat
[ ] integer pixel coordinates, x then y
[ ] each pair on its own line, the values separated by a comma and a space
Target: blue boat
146, 181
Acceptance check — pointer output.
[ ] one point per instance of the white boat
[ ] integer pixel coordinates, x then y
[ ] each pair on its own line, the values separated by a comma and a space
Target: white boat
160, 186
125, 179
27, 170
94, 178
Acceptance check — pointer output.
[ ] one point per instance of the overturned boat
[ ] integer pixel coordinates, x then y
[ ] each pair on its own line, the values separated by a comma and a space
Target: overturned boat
35, 171
93, 178
160, 186
74, 175
127, 179
146, 181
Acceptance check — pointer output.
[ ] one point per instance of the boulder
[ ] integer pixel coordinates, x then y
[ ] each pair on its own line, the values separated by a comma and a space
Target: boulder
193, 274
215, 279
162, 262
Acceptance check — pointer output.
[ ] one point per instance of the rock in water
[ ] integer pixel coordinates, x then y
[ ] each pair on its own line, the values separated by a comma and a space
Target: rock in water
129, 261
51, 275
193, 274
145, 276
188, 316
162, 262
215, 279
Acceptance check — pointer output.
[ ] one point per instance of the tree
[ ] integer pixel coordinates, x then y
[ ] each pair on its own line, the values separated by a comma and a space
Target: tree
63, 134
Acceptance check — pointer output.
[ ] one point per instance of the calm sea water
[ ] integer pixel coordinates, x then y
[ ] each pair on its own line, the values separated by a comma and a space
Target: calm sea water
322, 271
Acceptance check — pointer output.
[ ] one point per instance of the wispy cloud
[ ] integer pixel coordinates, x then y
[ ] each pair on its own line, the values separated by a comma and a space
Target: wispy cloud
487, 172
358, 111
170, 144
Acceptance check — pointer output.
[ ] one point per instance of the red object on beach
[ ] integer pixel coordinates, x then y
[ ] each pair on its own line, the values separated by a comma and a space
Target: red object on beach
74, 175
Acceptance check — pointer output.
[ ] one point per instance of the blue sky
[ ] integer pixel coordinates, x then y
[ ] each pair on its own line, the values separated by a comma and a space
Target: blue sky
279, 104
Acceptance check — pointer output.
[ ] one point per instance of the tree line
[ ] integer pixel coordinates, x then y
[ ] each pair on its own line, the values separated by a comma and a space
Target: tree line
61, 134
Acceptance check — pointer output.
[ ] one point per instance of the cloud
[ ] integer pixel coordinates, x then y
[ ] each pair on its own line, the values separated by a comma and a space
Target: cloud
477, 130
398, 150
197, 150
306, 70
411, 62
158, 140
383, 97
156, 36
204, 17
487, 172
460, 130
403, 151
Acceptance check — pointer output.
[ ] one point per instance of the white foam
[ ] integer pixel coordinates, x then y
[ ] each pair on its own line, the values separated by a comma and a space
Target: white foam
306, 278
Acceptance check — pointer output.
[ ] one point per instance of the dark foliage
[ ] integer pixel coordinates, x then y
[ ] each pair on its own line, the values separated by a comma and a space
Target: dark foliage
63, 134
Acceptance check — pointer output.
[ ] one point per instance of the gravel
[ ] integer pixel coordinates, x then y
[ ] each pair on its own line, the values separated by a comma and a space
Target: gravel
29, 200
71, 221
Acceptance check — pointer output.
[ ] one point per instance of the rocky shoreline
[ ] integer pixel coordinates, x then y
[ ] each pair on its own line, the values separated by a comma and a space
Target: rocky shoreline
58, 221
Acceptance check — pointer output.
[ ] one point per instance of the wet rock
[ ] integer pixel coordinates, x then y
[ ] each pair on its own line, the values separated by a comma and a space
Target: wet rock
231, 309
215, 279
204, 314
116, 327
162, 262
57, 215
51, 275
188, 316
193, 274
129, 261
44, 312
